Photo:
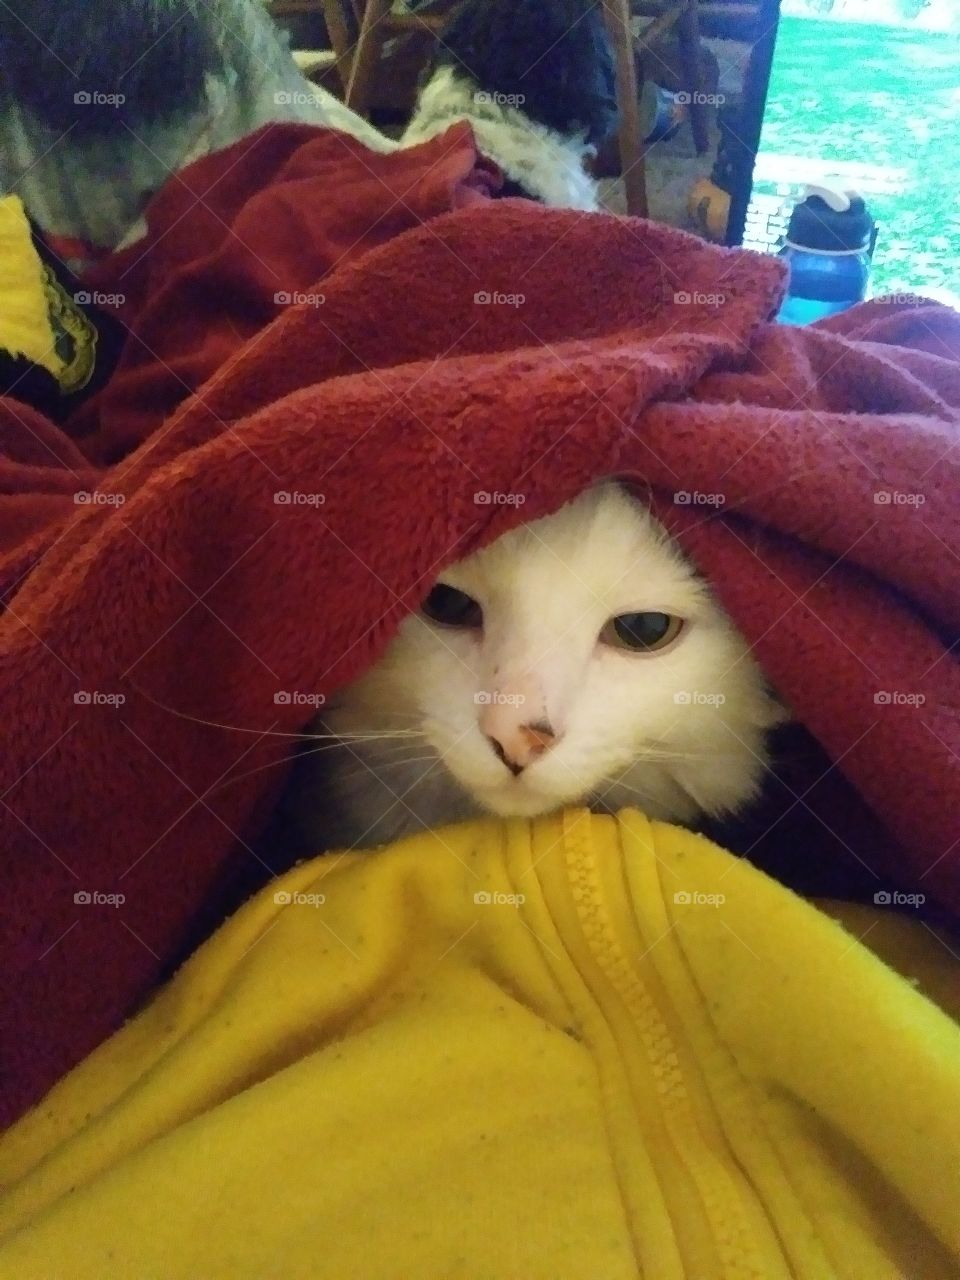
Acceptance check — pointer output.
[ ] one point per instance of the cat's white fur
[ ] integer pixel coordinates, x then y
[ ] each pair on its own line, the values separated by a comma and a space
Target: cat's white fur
679, 733
549, 166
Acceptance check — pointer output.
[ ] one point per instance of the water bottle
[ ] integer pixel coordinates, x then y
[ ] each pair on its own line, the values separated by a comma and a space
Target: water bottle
828, 246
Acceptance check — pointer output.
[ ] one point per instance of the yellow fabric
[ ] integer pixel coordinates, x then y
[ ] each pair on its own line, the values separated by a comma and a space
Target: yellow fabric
38, 319
25, 328
422, 1075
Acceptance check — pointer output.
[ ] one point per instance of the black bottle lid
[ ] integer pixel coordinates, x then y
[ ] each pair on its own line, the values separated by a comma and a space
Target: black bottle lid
816, 222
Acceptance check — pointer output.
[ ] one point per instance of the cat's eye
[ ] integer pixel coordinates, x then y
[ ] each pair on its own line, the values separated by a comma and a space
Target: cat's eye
641, 632
452, 607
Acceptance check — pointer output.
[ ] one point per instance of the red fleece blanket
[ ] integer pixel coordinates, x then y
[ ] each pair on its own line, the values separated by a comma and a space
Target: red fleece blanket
251, 547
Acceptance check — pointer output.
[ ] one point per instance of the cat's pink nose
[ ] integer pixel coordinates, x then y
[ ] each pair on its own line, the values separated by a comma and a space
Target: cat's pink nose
516, 723
520, 745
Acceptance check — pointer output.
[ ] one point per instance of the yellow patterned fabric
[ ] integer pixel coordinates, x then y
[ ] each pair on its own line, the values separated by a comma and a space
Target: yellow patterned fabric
39, 321
577, 1047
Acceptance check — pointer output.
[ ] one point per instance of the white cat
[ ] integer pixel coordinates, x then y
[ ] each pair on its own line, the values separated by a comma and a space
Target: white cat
577, 660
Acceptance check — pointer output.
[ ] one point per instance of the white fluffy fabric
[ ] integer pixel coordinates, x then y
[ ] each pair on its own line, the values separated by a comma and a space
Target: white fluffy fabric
95, 188
549, 166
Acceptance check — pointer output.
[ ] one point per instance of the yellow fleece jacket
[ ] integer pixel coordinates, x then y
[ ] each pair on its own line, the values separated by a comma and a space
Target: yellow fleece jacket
582, 1047
39, 321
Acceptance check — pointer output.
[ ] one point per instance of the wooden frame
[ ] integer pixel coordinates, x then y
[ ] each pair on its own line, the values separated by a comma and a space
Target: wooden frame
632, 145
358, 60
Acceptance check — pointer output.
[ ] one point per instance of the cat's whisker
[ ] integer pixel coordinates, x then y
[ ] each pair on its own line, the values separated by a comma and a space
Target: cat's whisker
249, 773
371, 735
618, 784
360, 766
384, 749
405, 763
326, 747
347, 759
283, 761
371, 711
268, 733
661, 755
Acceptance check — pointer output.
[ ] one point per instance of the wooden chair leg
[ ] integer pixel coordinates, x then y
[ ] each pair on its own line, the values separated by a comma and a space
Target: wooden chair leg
341, 39
688, 34
632, 144
366, 58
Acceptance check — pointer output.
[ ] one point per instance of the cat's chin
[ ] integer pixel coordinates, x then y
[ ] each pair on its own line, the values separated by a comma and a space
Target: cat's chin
517, 802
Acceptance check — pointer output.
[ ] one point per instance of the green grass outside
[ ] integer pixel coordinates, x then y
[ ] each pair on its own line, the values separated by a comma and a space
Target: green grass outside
884, 96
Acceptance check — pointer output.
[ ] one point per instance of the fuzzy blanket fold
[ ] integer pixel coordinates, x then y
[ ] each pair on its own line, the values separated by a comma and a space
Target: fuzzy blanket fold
244, 551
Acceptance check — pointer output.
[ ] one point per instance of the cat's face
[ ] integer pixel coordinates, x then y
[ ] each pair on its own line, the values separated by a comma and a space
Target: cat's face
578, 659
